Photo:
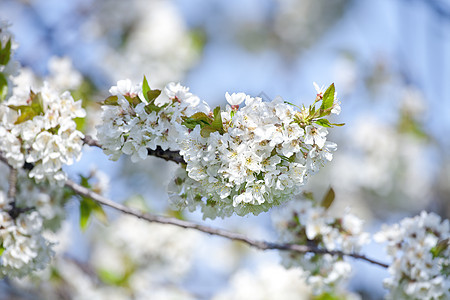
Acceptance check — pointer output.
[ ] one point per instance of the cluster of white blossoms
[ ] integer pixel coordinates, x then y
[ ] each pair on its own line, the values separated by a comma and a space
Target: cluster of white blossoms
36, 127
250, 159
23, 249
39, 129
240, 161
420, 250
36, 210
135, 118
305, 222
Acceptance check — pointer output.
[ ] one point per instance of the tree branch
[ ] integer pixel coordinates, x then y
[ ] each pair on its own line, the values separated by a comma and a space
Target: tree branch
262, 245
158, 152
12, 181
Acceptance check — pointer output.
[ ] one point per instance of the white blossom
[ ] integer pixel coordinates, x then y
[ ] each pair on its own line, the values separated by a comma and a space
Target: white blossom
306, 222
235, 98
416, 271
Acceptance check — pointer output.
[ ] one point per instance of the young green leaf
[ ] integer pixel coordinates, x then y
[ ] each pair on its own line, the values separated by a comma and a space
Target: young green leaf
152, 95
81, 124
323, 122
440, 247
328, 98
85, 213
25, 116
196, 119
111, 278
3, 87
201, 116
327, 296
37, 103
5, 53
133, 100
149, 108
328, 198
145, 88
207, 130
111, 100
312, 110
99, 213
149, 94
217, 122
89, 207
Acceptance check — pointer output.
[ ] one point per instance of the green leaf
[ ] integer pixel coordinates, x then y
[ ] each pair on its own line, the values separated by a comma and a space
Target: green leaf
197, 119
327, 296
111, 100
308, 195
1, 250
145, 88
5, 53
85, 213
149, 108
214, 125
328, 98
37, 103
191, 123
207, 130
152, 95
200, 116
328, 198
217, 122
19, 108
3, 87
25, 116
89, 207
149, 94
440, 247
111, 278
81, 124
100, 213
133, 100
339, 124
323, 122
312, 110
28, 112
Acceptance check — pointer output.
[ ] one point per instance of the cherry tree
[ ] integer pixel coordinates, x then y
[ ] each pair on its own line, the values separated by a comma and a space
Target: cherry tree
244, 159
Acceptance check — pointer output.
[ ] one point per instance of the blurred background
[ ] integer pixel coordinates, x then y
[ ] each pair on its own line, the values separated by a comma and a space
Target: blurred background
389, 60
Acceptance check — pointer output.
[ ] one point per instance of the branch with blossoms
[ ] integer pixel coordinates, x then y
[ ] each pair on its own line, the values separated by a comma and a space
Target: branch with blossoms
261, 245
243, 159
167, 155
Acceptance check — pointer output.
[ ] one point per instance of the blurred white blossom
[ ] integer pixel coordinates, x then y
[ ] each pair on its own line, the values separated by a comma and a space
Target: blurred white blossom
420, 250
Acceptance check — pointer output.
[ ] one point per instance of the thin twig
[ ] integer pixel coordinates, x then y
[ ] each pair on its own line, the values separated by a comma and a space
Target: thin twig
13, 211
262, 245
88, 140
12, 181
